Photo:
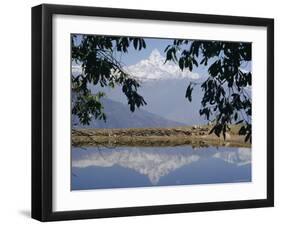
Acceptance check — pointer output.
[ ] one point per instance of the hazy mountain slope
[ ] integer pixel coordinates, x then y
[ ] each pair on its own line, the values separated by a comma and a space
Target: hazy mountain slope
120, 116
166, 98
163, 86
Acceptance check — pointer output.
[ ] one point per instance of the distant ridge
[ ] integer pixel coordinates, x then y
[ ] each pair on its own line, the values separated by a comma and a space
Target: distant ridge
120, 116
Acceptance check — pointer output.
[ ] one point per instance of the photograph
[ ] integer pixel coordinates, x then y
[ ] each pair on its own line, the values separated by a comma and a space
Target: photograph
141, 112
156, 111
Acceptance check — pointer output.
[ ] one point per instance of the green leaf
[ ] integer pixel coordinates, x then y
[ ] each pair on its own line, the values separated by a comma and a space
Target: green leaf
189, 92
248, 136
135, 43
240, 121
181, 63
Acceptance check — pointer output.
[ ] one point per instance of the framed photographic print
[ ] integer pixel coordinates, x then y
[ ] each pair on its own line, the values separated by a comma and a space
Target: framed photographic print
146, 112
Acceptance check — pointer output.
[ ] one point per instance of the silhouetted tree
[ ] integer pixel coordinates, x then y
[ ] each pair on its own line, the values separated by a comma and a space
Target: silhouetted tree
225, 100
97, 57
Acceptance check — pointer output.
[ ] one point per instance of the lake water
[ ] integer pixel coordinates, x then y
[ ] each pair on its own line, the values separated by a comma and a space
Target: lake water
124, 167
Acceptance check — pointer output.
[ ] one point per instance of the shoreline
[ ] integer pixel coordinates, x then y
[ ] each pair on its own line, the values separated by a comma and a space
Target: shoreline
197, 136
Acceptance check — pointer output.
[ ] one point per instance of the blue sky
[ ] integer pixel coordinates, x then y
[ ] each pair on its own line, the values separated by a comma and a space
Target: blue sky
161, 82
133, 56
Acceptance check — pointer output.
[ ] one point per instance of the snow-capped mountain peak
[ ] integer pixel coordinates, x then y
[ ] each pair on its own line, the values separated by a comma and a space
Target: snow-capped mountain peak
155, 68
152, 68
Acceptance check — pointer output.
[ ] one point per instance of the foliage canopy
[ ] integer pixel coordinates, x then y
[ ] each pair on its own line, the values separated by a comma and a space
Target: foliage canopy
96, 55
225, 101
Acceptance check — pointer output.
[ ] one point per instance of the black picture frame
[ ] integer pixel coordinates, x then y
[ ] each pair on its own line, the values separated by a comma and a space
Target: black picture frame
42, 111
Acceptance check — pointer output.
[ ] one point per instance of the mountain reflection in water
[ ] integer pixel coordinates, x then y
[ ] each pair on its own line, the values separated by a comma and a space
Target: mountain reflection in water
122, 167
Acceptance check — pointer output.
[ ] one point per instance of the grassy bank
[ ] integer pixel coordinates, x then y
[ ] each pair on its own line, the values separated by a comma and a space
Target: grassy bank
188, 135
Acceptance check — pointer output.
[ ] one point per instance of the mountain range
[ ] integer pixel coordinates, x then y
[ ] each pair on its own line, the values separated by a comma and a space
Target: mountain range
163, 86
166, 98
118, 115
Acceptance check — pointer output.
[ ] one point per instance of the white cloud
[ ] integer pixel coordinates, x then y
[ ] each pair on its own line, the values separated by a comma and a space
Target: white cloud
153, 68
